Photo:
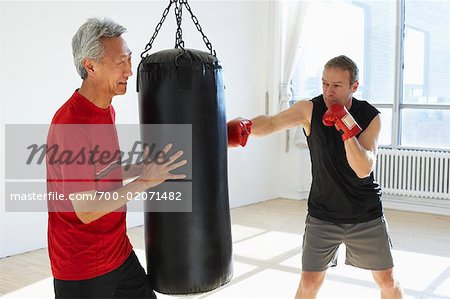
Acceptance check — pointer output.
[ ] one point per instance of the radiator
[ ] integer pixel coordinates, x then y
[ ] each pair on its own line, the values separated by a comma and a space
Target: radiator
413, 173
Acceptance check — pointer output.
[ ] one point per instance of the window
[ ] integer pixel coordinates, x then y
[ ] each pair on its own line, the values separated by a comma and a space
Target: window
425, 106
413, 81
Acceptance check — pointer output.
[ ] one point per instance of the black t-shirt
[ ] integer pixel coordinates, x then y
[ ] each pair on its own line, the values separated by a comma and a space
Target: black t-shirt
337, 194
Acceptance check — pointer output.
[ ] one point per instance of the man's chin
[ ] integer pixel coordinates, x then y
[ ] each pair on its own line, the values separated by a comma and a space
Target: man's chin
121, 90
329, 101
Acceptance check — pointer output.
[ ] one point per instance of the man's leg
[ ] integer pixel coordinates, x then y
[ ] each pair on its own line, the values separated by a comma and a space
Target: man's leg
389, 286
66, 289
310, 283
101, 287
133, 282
321, 241
369, 247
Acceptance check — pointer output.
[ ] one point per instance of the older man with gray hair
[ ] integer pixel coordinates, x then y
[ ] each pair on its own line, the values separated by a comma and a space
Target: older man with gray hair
90, 253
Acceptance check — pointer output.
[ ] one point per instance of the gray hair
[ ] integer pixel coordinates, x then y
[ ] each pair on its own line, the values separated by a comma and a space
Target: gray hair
344, 63
86, 43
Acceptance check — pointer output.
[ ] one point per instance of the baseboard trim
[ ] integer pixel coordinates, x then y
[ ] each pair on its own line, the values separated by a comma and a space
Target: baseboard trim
417, 204
403, 203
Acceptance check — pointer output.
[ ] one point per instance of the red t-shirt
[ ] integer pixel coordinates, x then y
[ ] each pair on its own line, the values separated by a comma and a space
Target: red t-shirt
85, 156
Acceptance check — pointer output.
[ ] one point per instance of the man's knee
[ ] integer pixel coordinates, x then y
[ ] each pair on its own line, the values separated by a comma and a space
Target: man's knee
310, 282
386, 280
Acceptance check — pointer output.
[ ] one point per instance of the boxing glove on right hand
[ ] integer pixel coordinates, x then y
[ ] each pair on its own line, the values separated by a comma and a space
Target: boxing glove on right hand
238, 131
342, 120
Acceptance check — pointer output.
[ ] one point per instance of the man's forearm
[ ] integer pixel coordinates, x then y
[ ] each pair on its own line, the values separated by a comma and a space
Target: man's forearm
102, 203
298, 114
360, 159
262, 125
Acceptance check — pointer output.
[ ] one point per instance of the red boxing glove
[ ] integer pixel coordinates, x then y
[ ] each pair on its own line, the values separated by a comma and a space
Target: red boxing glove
344, 122
238, 131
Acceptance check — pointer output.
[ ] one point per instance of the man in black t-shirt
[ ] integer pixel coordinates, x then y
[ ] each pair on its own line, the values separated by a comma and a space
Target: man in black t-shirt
344, 204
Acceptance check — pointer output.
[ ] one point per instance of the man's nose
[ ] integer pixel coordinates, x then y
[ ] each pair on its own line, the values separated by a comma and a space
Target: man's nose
128, 70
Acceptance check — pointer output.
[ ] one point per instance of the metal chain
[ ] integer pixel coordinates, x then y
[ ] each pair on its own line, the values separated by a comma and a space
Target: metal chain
158, 27
179, 43
199, 28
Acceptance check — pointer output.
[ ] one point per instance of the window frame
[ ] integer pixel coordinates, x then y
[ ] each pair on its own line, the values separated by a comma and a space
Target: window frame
397, 106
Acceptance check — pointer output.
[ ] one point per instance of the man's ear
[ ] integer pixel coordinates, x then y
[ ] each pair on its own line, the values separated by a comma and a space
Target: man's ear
355, 86
89, 66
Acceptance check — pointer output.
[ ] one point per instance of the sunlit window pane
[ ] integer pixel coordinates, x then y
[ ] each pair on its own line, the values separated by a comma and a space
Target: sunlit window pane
426, 78
365, 31
386, 127
415, 43
425, 128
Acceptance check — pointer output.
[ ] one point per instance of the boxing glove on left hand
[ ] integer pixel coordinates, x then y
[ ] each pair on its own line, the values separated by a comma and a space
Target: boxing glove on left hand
344, 122
238, 131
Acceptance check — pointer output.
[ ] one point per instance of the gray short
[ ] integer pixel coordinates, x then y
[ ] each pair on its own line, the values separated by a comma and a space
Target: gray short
368, 245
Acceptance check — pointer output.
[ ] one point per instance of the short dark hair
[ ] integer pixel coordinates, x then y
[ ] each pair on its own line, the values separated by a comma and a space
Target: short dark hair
344, 63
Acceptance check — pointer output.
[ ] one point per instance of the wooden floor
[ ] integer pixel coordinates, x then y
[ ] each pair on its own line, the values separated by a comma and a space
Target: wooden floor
267, 249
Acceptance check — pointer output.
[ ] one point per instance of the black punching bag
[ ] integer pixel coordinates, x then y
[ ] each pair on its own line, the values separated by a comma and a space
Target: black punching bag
189, 252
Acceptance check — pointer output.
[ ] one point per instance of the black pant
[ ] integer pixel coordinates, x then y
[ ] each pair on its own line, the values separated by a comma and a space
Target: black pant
127, 281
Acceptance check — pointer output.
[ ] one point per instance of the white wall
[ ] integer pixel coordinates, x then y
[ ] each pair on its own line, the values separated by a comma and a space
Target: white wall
37, 76
294, 169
